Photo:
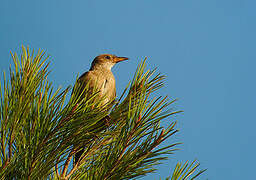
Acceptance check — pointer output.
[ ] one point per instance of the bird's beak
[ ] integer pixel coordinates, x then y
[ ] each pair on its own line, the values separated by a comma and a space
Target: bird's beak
119, 59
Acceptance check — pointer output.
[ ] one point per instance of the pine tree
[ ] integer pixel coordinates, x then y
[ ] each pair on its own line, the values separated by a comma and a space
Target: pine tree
40, 127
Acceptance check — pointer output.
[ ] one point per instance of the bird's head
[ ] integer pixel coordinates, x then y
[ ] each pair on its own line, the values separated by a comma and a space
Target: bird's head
106, 61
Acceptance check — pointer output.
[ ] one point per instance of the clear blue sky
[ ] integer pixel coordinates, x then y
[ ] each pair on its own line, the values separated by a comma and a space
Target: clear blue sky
205, 47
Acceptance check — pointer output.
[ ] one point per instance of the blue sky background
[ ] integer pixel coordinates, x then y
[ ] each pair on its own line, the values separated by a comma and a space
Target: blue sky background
206, 48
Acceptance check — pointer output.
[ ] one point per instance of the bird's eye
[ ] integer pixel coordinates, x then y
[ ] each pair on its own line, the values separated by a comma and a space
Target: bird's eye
107, 57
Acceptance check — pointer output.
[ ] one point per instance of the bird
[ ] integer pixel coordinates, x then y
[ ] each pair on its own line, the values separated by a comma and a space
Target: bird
101, 78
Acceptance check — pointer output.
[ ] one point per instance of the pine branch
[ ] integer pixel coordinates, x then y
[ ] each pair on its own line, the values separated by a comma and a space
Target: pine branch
40, 132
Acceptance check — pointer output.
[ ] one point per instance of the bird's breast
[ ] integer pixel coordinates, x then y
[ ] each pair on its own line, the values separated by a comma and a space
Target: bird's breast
108, 87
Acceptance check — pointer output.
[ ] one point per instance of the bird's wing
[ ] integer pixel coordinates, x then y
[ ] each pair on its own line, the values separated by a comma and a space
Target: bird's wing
90, 79
94, 79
